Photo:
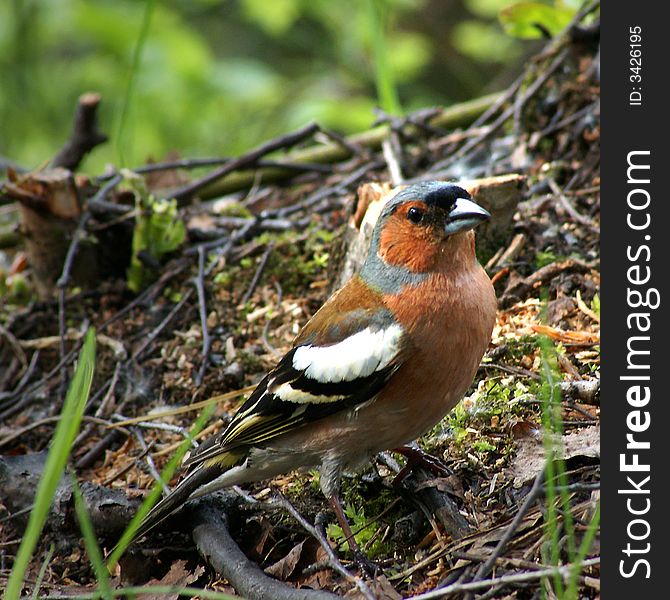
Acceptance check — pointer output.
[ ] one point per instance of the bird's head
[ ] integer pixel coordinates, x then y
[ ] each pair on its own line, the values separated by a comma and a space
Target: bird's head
422, 229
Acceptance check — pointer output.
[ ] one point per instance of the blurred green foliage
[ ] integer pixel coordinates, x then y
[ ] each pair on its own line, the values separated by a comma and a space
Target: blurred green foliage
530, 20
215, 77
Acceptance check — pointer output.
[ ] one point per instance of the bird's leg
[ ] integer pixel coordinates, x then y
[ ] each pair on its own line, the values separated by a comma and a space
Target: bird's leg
417, 457
359, 558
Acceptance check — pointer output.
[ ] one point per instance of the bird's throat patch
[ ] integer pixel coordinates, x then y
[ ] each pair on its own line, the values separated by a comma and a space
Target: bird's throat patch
407, 245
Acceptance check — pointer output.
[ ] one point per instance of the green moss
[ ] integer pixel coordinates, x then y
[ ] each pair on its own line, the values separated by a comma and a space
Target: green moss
234, 209
544, 258
526, 345
250, 362
296, 265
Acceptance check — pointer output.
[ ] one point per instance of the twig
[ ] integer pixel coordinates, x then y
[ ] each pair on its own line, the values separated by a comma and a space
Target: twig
246, 160
440, 168
99, 447
564, 571
62, 284
391, 158
101, 411
454, 116
16, 407
199, 163
46, 421
322, 193
571, 210
547, 273
533, 494
85, 134
318, 535
157, 331
349, 145
27, 374
152, 291
16, 347
258, 274
199, 282
151, 465
260, 224
587, 110
266, 328
218, 548
64, 279
228, 241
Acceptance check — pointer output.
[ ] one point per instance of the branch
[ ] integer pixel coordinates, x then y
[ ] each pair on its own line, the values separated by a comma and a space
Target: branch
453, 116
85, 133
217, 547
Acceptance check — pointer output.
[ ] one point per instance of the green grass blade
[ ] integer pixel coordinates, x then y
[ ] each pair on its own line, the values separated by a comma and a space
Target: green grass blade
156, 491
43, 571
154, 592
132, 78
66, 430
387, 93
91, 543
587, 541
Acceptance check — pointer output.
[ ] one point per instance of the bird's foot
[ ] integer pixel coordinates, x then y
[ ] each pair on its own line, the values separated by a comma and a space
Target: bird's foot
418, 458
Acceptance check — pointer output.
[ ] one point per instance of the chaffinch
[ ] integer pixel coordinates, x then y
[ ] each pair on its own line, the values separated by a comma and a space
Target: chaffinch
380, 363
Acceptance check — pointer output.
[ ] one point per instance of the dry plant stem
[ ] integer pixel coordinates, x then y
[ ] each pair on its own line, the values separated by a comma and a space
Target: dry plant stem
62, 284
27, 374
323, 193
101, 411
217, 547
151, 465
151, 292
185, 193
567, 205
258, 274
47, 421
583, 112
15, 345
392, 160
440, 168
27, 395
533, 494
99, 448
199, 282
164, 323
459, 588
520, 289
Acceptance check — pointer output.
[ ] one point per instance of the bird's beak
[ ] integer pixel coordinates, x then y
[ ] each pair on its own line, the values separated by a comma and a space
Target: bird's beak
465, 215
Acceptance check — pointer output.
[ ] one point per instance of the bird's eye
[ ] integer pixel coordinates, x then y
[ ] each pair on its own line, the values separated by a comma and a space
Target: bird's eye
415, 214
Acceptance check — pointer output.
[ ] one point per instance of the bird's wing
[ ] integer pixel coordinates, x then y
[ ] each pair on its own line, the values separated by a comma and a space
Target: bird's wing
340, 360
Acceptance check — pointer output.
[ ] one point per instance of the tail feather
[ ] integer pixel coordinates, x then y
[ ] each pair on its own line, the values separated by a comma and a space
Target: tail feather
176, 498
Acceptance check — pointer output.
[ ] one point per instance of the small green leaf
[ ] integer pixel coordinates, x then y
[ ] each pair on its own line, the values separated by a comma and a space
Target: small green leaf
595, 304
158, 231
526, 20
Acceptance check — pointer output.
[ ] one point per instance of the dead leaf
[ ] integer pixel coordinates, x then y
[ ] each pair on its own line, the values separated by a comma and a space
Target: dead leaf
572, 338
322, 579
179, 576
381, 589
285, 567
529, 459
